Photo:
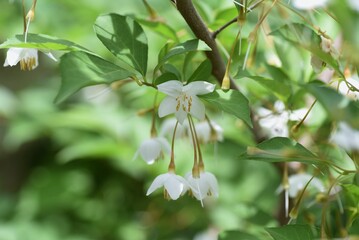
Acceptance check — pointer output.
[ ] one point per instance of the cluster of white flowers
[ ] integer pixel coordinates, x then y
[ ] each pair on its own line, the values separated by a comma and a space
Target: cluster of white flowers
309, 4
175, 186
182, 100
275, 123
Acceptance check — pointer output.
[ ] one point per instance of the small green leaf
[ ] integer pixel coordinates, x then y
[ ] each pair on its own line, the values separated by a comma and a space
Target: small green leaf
160, 28
292, 232
280, 89
188, 46
279, 149
203, 72
42, 42
236, 235
231, 101
338, 107
125, 38
80, 69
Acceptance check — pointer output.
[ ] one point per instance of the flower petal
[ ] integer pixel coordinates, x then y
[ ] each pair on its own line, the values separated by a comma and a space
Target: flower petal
212, 182
150, 150
49, 54
167, 106
181, 115
157, 183
165, 146
198, 88
174, 185
13, 56
197, 109
172, 88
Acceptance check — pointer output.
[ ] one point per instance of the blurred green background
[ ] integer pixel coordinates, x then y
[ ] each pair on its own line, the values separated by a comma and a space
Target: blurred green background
67, 171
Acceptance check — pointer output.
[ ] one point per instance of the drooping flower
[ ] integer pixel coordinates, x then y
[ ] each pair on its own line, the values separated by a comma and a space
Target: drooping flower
203, 186
153, 148
182, 99
209, 133
168, 126
309, 4
27, 57
174, 185
298, 181
275, 123
346, 137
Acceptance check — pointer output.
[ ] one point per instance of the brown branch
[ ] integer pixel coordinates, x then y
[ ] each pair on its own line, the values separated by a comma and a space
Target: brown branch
199, 28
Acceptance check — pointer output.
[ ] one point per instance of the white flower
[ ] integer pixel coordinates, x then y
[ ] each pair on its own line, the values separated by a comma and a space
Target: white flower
152, 149
276, 123
174, 185
26, 56
207, 134
298, 181
309, 4
183, 100
354, 4
168, 126
346, 137
205, 185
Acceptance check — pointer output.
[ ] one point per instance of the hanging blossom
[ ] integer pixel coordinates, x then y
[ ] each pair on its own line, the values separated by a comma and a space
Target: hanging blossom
182, 99
153, 149
203, 186
346, 137
298, 181
168, 127
209, 133
174, 185
275, 123
309, 4
27, 57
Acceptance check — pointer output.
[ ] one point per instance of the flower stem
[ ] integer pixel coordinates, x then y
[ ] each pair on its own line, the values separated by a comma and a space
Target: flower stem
153, 125
195, 170
172, 166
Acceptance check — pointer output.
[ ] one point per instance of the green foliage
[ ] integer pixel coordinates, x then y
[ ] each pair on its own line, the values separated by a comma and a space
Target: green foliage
125, 39
295, 232
42, 42
80, 69
67, 171
232, 102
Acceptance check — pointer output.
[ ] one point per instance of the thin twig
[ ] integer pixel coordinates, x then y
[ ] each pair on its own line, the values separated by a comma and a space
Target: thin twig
215, 33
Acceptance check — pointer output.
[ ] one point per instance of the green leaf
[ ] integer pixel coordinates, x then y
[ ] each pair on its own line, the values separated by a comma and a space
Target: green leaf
203, 72
339, 157
80, 69
160, 28
305, 37
188, 46
231, 101
280, 89
279, 149
292, 232
42, 42
236, 235
338, 107
125, 38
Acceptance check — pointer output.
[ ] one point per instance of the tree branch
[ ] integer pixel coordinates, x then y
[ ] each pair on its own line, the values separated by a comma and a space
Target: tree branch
199, 28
